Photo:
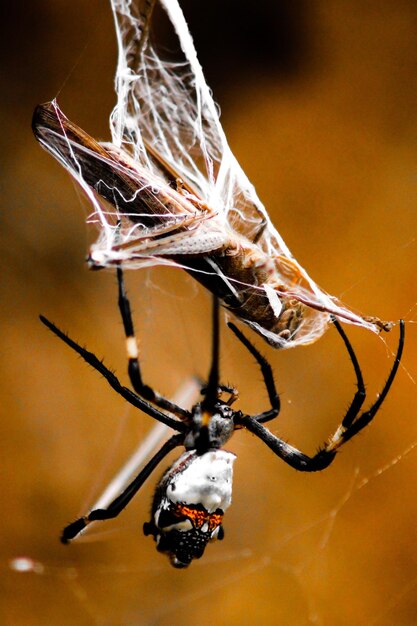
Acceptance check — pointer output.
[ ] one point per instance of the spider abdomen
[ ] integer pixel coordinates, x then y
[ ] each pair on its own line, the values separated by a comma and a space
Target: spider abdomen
189, 504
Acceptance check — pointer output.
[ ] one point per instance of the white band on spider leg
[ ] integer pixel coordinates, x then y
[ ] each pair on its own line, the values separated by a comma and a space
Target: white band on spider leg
132, 348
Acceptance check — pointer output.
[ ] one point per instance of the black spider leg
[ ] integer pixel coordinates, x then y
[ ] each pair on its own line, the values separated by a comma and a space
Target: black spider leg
212, 389
119, 503
267, 374
113, 381
204, 412
134, 370
350, 426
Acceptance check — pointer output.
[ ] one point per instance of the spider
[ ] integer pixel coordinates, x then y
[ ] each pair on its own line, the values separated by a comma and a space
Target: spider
190, 500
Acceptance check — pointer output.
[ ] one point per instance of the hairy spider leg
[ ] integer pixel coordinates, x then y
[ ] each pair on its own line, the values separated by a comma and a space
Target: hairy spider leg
352, 422
134, 370
119, 503
267, 374
212, 389
114, 382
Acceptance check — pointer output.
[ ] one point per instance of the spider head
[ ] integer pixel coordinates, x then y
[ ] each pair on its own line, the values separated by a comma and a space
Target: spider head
189, 504
210, 428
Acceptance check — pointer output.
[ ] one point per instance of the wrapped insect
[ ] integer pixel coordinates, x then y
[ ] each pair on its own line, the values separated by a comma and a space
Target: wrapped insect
168, 190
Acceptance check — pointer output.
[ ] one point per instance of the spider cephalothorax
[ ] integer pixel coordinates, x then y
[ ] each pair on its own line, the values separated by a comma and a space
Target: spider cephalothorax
194, 493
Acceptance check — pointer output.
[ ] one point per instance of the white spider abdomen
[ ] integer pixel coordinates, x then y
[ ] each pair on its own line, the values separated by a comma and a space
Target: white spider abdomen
206, 480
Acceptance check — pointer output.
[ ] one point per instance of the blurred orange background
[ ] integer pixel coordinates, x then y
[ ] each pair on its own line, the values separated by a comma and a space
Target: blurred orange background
319, 101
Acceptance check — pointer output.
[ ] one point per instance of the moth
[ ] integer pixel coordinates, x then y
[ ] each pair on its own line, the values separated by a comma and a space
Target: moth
167, 190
